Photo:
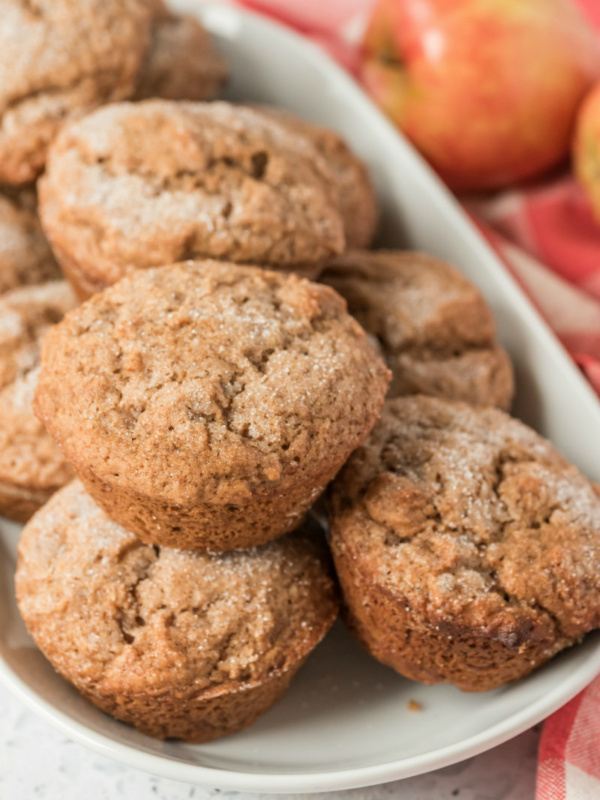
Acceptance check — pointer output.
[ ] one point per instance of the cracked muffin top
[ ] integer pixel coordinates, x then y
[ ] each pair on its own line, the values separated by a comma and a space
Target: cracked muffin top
152, 183
182, 63
435, 330
25, 255
58, 60
29, 458
357, 201
116, 614
473, 521
205, 380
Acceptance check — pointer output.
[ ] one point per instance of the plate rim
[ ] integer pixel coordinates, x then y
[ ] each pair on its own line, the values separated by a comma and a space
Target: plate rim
342, 779
299, 782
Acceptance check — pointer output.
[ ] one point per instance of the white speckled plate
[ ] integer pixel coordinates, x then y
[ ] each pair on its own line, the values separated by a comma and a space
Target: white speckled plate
345, 722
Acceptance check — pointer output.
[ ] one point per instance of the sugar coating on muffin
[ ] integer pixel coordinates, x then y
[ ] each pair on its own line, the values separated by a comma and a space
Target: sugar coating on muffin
182, 63
356, 195
58, 60
435, 330
468, 549
25, 255
220, 398
178, 644
152, 183
32, 466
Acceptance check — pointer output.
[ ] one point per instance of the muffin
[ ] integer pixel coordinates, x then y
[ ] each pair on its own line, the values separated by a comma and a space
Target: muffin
32, 467
58, 60
182, 63
152, 183
25, 255
181, 645
467, 548
435, 330
206, 405
357, 201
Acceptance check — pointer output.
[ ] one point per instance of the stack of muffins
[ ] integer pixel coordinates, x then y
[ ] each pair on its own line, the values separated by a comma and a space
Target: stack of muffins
229, 362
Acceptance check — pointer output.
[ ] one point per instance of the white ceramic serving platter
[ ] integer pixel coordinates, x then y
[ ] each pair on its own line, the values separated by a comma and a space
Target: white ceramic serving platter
345, 722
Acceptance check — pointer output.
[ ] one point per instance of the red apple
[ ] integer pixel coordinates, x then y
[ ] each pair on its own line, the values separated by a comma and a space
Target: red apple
488, 90
586, 149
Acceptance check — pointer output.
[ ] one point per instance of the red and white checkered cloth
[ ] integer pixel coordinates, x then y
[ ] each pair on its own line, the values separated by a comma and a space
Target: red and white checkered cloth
547, 236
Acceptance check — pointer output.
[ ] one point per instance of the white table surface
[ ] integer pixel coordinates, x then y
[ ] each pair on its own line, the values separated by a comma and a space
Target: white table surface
38, 763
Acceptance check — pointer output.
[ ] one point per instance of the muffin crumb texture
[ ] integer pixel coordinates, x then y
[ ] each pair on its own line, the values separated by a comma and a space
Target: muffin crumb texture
356, 195
60, 59
182, 63
137, 185
433, 328
467, 547
31, 464
25, 255
164, 639
209, 388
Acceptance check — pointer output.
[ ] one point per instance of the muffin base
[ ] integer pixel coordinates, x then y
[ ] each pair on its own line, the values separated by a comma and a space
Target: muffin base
83, 286
208, 527
200, 718
20, 504
387, 628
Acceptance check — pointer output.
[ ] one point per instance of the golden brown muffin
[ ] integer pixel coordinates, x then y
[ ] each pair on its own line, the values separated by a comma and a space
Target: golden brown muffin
58, 60
467, 548
145, 184
182, 63
25, 255
180, 645
435, 330
356, 196
32, 467
206, 405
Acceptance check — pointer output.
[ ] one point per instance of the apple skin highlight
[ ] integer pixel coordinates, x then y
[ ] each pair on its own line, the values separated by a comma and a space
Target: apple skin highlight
488, 90
586, 149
